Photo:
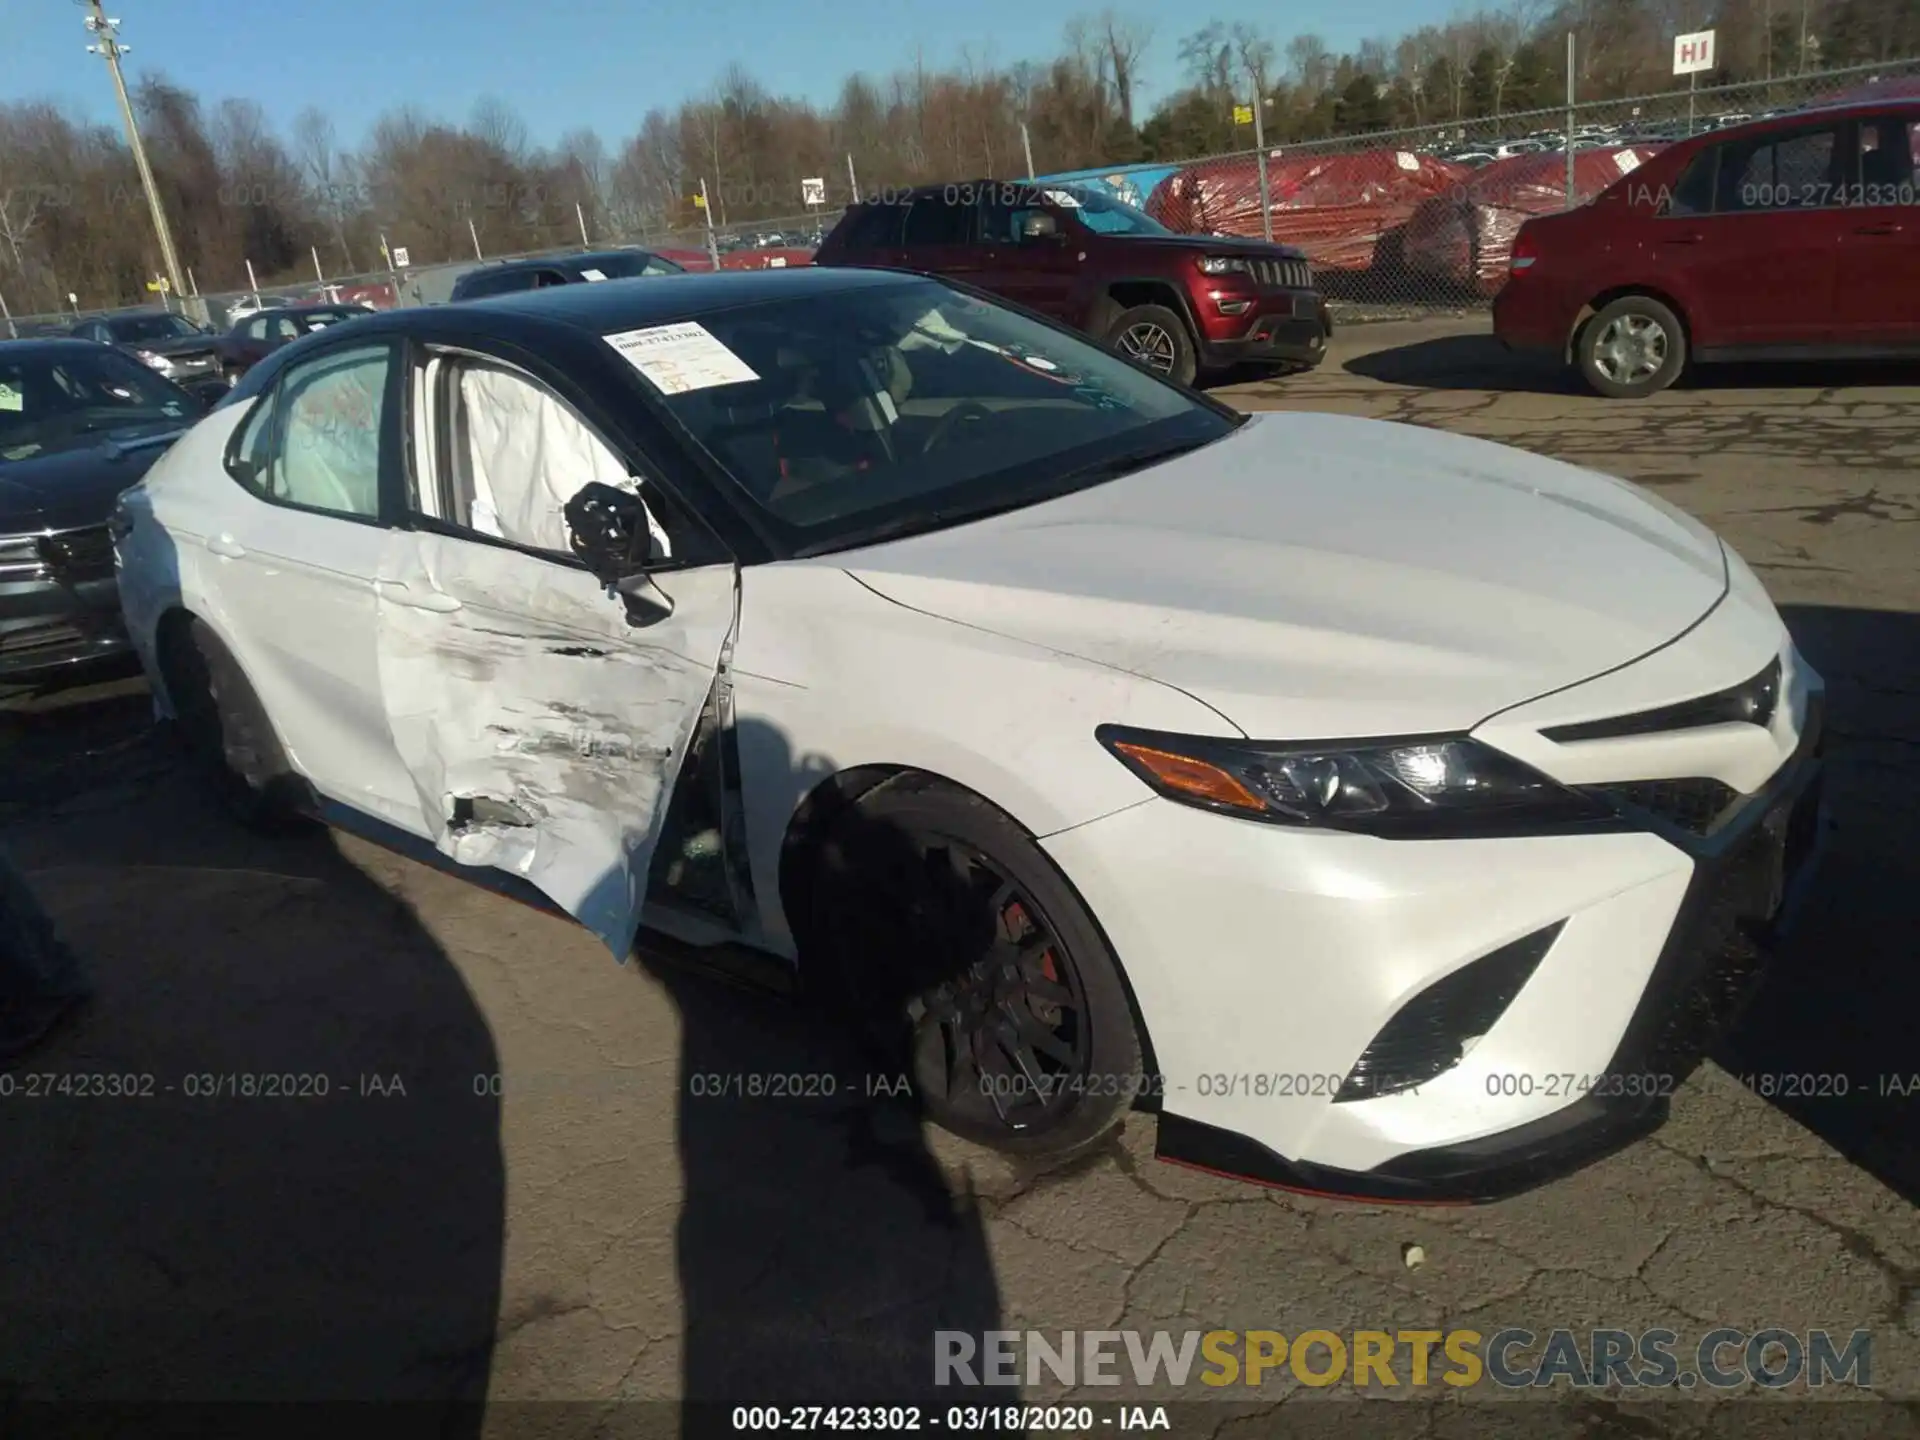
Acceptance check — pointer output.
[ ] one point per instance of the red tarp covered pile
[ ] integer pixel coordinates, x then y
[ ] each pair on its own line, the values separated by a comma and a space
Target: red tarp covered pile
1465, 236
1336, 208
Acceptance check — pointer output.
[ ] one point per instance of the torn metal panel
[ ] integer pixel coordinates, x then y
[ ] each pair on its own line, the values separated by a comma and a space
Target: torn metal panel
518, 682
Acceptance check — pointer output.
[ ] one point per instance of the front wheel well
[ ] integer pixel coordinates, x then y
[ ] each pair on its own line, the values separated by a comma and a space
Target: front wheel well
1620, 292
1124, 295
822, 806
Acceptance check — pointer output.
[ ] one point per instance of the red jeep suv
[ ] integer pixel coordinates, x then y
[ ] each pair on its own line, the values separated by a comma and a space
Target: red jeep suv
1792, 238
1179, 304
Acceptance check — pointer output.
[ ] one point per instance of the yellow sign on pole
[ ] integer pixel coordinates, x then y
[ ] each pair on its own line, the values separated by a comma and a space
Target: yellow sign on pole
699, 202
1243, 114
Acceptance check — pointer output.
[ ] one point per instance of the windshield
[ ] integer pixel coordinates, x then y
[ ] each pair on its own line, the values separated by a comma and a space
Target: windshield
627, 266
137, 328
69, 399
898, 407
1107, 216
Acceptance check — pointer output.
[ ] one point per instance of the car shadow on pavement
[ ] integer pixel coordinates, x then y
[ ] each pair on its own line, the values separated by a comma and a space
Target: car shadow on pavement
1829, 1038
1481, 362
820, 1244
255, 1167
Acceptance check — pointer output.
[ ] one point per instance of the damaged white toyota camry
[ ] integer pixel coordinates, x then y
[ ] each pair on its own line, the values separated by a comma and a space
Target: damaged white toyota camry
1395, 813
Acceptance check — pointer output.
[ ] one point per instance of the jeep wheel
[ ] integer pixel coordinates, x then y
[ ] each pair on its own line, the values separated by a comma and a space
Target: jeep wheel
1155, 337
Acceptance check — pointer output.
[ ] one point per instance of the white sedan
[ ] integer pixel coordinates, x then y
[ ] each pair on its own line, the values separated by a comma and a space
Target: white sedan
1394, 813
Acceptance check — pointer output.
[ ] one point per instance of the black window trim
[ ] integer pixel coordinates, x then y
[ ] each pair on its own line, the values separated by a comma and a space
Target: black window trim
682, 518
389, 475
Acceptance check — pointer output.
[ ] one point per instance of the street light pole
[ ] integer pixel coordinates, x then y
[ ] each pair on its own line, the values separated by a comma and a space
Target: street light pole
109, 48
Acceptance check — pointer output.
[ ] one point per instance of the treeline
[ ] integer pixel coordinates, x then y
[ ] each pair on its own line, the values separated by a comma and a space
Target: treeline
73, 217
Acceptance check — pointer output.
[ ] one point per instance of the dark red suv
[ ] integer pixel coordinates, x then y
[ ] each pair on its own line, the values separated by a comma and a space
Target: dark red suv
1179, 304
1796, 237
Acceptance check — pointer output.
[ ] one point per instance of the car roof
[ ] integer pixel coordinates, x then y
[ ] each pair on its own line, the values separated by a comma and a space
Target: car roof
575, 258
46, 346
634, 304
1690, 145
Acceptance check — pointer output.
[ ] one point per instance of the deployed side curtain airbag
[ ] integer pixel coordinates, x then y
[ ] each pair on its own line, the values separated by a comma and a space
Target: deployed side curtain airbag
527, 455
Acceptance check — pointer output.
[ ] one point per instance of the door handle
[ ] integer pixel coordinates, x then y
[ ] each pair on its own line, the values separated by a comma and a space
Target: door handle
437, 601
225, 546
1692, 237
1885, 228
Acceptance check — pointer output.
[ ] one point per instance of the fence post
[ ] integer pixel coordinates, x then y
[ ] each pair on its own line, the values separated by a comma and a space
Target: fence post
252, 283
706, 209
1260, 143
12, 332
853, 179
1026, 144
580, 214
1570, 95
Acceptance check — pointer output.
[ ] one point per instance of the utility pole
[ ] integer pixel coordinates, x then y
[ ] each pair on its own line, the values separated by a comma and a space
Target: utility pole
107, 45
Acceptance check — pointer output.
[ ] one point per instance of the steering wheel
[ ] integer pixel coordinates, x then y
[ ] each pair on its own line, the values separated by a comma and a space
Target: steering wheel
944, 427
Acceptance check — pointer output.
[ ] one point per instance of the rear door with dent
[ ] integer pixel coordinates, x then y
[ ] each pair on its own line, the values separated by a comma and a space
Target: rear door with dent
544, 729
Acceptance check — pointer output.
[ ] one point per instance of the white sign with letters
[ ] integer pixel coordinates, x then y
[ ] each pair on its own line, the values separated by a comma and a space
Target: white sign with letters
813, 192
1693, 53
401, 260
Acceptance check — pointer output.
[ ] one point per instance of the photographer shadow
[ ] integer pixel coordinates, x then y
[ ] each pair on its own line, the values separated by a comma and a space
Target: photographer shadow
820, 1246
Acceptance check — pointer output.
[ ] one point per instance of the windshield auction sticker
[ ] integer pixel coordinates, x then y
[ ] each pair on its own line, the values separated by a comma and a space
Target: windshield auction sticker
681, 357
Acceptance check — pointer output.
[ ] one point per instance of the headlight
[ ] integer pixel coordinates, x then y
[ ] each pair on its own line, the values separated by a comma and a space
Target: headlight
153, 361
1429, 787
1224, 265
20, 558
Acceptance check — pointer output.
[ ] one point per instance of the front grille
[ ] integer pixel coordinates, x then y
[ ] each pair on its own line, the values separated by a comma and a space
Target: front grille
28, 640
1283, 274
1429, 1034
79, 555
1699, 805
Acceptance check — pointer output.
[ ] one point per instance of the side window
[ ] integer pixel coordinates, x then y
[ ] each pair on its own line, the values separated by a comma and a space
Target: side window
1006, 224
330, 413
543, 279
1693, 195
249, 453
933, 220
1786, 172
256, 328
284, 329
1886, 156
516, 453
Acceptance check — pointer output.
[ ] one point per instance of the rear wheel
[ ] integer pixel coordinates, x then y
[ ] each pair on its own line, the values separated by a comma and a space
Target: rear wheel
1633, 348
968, 962
1154, 336
226, 734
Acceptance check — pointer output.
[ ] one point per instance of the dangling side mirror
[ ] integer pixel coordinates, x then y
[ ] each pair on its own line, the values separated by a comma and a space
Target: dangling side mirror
609, 532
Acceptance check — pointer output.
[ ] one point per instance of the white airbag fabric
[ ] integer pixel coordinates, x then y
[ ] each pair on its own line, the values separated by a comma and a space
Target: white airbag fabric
527, 455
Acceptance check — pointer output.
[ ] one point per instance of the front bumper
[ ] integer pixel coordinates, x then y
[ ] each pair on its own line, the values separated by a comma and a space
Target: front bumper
52, 631
1743, 897
1265, 962
1295, 331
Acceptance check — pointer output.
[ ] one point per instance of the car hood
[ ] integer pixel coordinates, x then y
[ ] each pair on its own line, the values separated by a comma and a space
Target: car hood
1317, 576
71, 488
182, 345
1211, 245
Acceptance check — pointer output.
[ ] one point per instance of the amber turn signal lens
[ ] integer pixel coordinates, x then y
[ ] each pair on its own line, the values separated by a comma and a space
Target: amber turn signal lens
1192, 777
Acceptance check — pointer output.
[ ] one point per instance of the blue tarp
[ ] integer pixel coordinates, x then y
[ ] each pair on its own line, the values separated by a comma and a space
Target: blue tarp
1129, 186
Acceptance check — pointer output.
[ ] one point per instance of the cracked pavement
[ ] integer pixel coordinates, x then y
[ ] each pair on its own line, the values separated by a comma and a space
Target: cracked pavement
605, 1223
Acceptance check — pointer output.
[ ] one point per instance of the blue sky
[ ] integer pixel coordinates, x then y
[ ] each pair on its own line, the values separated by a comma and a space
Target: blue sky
565, 63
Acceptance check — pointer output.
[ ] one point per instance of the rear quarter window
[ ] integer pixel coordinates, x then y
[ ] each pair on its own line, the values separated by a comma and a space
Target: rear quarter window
871, 227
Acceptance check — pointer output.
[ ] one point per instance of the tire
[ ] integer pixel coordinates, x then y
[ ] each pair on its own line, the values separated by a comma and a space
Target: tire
227, 736
1157, 338
1633, 348
940, 929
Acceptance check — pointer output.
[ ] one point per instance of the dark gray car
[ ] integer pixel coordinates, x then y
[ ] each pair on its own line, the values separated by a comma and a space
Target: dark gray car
79, 423
170, 345
508, 276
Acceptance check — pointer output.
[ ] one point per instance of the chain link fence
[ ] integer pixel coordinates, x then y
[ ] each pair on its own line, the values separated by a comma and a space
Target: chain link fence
1424, 218
1395, 222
